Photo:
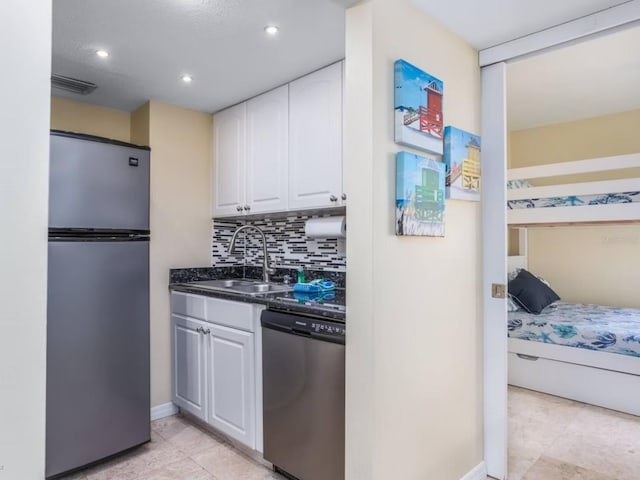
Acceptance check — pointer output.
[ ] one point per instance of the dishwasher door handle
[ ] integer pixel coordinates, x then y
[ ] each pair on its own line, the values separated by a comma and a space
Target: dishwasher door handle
297, 331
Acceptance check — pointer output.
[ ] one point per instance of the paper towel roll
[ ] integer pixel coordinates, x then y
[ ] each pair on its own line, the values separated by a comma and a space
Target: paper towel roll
326, 227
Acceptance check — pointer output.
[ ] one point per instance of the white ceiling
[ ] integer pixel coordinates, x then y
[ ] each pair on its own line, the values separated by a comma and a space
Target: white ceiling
223, 45
593, 78
220, 42
485, 23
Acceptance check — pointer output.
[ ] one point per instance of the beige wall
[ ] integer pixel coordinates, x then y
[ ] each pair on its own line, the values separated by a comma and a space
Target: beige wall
140, 132
80, 117
25, 57
414, 403
181, 141
584, 264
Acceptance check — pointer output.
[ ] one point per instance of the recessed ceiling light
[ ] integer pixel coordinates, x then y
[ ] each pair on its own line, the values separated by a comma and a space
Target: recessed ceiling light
271, 29
102, 53
186, 78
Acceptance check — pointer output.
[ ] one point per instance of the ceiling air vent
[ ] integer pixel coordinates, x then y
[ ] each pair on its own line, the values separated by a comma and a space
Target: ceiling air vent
72, 84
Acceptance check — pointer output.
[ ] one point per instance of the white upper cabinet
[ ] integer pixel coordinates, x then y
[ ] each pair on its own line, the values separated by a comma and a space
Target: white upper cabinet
251, 156
315, 139
281, 150
268, 151
229, 154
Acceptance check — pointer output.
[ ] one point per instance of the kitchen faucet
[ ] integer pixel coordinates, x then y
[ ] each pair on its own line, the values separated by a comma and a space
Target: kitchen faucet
266, 269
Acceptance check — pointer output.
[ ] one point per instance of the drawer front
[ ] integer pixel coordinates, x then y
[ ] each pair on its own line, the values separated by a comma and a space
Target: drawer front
231, 314
188, 305
606, 388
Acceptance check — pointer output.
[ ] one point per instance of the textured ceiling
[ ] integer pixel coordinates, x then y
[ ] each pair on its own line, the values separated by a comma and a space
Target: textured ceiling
220, 42
485, 23
588, 79
223, 45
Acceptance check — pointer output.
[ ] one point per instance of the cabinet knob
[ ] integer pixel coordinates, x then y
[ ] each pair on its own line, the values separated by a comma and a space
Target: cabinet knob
199, 330
247, 208
333, 198
206, 332
239, 208
344, 196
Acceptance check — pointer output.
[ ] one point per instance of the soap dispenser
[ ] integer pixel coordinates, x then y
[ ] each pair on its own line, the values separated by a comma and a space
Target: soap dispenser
300, 274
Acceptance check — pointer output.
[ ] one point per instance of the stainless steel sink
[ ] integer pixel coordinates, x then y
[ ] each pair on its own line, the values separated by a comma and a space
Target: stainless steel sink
262, 288
242, 285
224, 283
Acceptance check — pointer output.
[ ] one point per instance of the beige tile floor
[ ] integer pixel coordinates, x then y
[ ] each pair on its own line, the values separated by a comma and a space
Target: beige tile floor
552, 438
179, 450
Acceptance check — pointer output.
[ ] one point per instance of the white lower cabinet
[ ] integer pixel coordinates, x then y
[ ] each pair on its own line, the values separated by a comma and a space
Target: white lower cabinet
189, 365
217, 365
230, 364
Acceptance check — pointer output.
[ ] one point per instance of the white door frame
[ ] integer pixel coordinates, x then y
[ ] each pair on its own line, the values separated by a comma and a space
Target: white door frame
494, 62
494, 241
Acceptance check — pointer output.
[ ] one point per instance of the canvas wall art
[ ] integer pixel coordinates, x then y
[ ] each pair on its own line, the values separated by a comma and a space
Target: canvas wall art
462, 160
420, 192
418, 108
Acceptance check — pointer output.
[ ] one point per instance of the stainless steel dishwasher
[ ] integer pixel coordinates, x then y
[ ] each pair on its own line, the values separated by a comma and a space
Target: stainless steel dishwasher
303, 390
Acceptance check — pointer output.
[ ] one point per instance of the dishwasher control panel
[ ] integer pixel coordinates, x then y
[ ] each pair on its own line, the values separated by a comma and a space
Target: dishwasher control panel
331, 329
301, 325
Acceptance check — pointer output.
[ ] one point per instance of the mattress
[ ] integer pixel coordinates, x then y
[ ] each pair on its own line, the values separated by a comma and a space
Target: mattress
575, 200
593, 327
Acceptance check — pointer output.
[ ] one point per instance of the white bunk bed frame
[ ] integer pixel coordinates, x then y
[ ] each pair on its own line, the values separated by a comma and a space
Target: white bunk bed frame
584, 214
600, 378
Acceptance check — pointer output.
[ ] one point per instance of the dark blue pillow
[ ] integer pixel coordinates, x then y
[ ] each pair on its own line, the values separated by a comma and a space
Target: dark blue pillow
532, 294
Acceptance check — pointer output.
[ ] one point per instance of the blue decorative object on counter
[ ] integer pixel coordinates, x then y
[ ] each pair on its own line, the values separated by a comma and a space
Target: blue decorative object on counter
315, 297
314, 286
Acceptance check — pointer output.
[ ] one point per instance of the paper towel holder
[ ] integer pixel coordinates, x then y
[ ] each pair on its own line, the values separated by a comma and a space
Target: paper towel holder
326, 227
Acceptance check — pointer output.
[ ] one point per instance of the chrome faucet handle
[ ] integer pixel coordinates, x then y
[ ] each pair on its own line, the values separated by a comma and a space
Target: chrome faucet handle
286, 279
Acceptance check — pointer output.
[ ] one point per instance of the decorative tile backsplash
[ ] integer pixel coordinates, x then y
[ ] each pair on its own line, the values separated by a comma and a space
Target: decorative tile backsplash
287, 244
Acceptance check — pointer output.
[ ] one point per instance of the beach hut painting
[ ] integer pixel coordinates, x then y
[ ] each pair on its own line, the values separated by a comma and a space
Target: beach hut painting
420, 193
418, 108
462, 160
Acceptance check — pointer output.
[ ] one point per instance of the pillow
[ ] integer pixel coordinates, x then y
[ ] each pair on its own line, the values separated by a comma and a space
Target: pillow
513, 274
515, 184
512, 305
531, 293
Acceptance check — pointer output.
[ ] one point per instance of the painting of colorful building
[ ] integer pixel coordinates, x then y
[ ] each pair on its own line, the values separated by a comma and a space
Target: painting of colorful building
418, 108
462, 160
420, 194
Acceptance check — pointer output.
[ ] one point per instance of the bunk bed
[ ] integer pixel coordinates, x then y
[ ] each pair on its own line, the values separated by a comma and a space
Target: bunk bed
586, 353
600, 202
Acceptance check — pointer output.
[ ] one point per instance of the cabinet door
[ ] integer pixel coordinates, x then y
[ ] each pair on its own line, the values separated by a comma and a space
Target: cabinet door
268, 151
315, 139
229, 159
188, 345
232, 393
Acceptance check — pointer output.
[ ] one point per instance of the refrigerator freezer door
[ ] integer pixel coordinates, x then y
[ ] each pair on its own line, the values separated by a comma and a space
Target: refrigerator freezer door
97, 351
97, 185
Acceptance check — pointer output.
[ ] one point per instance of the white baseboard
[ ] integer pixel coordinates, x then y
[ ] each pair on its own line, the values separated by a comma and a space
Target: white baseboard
478, 473
164, 410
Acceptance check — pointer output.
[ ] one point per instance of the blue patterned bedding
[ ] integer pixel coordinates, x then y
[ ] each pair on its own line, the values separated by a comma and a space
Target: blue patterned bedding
574, 201
593, 327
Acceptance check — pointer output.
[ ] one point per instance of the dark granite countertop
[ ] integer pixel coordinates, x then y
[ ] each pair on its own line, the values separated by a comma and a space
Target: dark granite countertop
331, 306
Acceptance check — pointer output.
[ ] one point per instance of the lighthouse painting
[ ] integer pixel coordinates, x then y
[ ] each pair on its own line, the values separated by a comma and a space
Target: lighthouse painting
418, 108
462, 158
420, 193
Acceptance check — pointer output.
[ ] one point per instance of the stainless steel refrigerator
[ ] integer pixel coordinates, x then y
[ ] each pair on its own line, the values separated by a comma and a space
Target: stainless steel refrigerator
98, 399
